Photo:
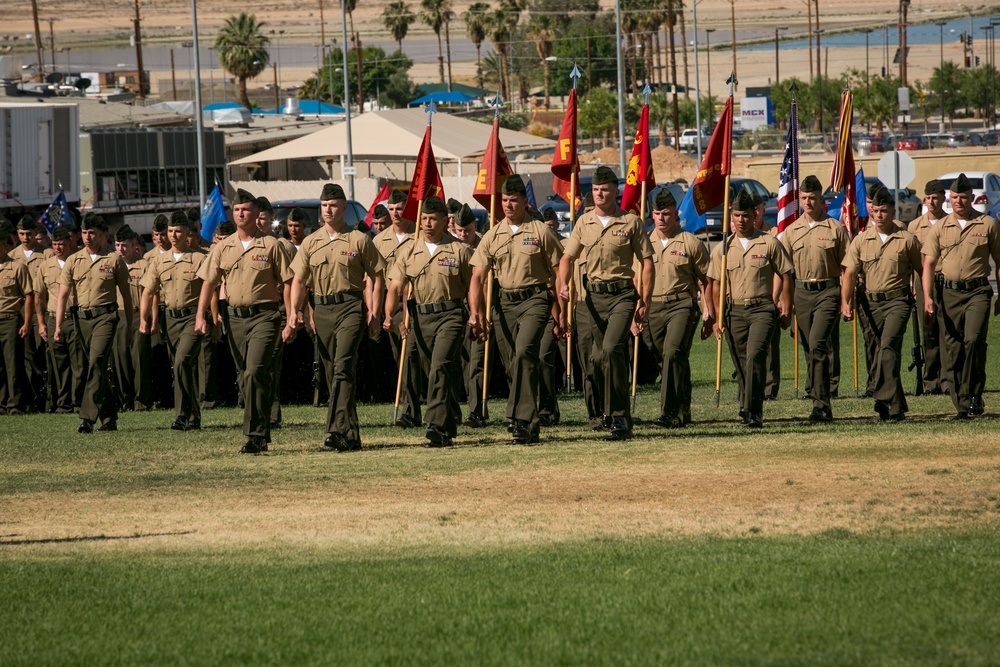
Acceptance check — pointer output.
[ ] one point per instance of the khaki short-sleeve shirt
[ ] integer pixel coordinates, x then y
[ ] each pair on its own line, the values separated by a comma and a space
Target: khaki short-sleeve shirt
443, 276
885, 266
254, 275
176, 280
522, 258
47, 283
15, 284
817, 251
94, 281
750, 272
390, 247
609, 251
136, 272
963, 254
19, 254
329, 266
679, 264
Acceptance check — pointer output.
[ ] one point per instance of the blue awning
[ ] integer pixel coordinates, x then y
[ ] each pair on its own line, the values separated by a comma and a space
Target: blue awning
443, 98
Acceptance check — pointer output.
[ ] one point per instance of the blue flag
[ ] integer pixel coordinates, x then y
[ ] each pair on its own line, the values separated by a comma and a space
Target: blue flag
834, 207
529, 191
56, 214
688, 214
213, 214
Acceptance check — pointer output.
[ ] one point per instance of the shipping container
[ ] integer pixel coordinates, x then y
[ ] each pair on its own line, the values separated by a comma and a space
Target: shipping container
41, 154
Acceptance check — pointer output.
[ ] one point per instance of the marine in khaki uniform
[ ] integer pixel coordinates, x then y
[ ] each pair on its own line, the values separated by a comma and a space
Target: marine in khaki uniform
463, 227
92, 276
256, 274
773, 384
391, 244
524, 256
65, 359
17, 303
553, 349
758, 292
583, 338
888, 256
332, 264
132, 361
816, 244
934, 381
31, 254
681, 262
265, 223
960, 248
438, 267
610, 240
174, 277
208, 381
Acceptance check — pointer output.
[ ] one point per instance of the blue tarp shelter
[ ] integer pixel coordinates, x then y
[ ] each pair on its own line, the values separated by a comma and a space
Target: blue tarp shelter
444, 97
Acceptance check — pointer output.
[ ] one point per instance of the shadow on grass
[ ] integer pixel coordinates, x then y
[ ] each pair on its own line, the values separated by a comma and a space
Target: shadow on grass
90, 538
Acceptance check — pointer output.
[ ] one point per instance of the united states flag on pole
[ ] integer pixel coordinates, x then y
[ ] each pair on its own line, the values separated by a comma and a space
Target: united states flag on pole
788, 179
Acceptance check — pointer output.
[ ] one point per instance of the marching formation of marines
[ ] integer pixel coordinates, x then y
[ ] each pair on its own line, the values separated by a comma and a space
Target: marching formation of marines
81, 321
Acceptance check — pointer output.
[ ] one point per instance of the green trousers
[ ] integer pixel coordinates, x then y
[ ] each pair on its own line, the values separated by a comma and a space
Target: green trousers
187, 346
930, 335
341, 328
548, 383
671, 331
583, 344
66, 369
748, 331
888, 324
413, 377
817, 313
12, 378
964, 320
612, 316
98, 337
253, 341
473, 357
521, 326
437, 338
132, 366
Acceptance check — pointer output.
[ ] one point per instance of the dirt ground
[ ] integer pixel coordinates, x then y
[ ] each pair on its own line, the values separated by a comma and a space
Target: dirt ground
680, 491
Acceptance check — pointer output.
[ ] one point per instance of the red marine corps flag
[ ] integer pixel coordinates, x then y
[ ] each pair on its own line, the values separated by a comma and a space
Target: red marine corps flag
640, 167
709, 187
426, 180
494, 170
564, 163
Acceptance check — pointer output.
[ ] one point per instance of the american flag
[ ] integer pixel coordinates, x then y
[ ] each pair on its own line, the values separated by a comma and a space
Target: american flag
788, 179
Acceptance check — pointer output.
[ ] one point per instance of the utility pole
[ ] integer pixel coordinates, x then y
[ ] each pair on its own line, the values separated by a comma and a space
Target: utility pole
173, 75
809, 29
52, 43
274, 68
40, 76
138, 57
322, 26
904, 5
590, 69
673, 75
361, 80
819, 70
732, 19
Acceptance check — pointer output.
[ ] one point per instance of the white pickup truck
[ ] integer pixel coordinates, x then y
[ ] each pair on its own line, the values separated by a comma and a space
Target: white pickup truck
689, 140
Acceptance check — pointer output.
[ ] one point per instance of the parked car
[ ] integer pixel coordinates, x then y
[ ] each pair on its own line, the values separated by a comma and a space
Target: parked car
985, 189
989, 138
354, 216
939, 139
877, 144
912, 143
961, 139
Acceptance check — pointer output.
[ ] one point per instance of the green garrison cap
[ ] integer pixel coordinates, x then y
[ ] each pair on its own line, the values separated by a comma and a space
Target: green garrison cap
244, 197
379, 212
124, 234
160, 223
332, 191
664, 200
961, 184
466, 217
743, 201
434, 205
882, 197
513, 185
811, 184
397, 197
549, 214
93, 221
61, 233
934, 187
604, 175
179, 219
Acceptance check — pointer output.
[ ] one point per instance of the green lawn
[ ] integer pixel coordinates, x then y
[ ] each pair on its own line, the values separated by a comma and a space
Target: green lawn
852, 543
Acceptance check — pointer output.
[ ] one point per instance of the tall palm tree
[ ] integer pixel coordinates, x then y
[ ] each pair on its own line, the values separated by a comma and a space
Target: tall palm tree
476, 18
436, 13
679, 13
241, 46
510, 15
540, 28
499, 33
397, 19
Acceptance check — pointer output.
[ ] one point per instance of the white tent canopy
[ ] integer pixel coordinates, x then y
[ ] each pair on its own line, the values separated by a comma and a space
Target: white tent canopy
397, 133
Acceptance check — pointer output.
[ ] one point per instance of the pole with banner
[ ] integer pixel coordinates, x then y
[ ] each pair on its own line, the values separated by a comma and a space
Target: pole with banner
637, 181
565, 183
788, 205
727, 167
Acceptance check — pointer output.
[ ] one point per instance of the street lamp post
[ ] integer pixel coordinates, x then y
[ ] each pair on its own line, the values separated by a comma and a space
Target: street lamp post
940, 25
777, 72
708, 56
868, 31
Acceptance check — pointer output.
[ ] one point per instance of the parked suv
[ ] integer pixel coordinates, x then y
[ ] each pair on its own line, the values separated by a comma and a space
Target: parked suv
689, 140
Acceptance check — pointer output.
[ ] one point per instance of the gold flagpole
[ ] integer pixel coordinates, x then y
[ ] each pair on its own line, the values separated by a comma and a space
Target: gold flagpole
720, 313
572, 284
795, 351
406, 324
489, 312
635, 343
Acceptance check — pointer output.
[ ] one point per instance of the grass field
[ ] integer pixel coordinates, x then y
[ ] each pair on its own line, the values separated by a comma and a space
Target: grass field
853, 543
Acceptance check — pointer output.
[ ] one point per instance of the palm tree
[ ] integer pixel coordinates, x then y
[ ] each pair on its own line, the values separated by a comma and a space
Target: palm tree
476, 19
509, 15
397, 19
541, 32
499, 32
241, 46
436, 13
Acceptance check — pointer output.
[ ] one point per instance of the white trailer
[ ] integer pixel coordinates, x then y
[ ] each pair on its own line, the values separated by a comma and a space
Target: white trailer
41, 154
